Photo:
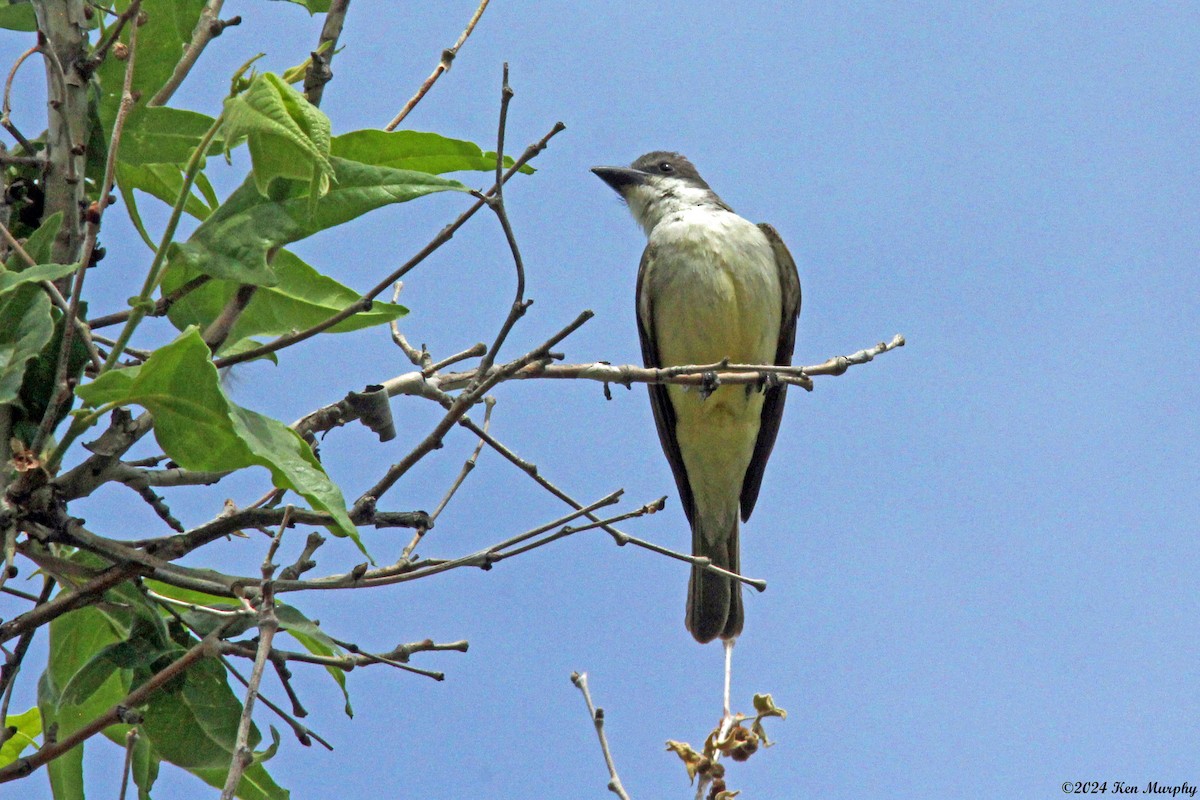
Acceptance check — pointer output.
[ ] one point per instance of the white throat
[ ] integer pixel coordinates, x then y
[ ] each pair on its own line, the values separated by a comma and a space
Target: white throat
660, 198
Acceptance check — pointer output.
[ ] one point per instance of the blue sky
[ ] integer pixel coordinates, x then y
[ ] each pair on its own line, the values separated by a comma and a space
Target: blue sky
981, 549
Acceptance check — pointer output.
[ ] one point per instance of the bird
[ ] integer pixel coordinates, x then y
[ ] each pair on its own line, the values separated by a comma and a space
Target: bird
711, 286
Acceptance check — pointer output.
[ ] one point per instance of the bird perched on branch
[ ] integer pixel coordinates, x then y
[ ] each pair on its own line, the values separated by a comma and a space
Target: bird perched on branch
711, 286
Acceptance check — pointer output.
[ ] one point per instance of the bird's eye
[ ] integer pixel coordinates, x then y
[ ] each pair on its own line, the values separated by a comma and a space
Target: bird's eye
666, 168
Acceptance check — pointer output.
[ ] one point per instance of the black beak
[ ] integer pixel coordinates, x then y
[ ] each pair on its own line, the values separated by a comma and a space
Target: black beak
620, 178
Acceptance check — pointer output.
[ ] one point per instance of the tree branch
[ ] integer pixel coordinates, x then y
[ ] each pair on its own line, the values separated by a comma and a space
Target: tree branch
208, 27
443, 65
597, 715
319, 73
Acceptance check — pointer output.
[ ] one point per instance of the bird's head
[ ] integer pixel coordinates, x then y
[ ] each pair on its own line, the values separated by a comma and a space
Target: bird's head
658, 184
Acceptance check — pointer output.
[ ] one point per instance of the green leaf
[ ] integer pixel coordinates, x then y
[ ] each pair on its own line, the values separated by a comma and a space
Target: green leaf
168, 28
164, 181
144, 767
233, 243
139, 651
287, 135
416, 150
163, 135
302, 298
74, 639
27, 328
313, 6
28, 727
18, 17
199, 428
42, 272
256, 783
315, 641
193, 722
38, 385
38, 245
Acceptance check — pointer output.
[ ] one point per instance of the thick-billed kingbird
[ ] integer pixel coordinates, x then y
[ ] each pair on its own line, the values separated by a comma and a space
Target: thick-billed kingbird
711, 286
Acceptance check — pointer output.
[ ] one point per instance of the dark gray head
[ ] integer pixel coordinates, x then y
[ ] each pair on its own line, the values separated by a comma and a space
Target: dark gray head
660, 163
658, 183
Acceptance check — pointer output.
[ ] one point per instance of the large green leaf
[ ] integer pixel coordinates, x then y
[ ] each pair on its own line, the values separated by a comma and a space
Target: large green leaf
41, 272
25, 728
74, 639
27, 328
416, 150
162, 135
38, 245
193, 723
287, 135
199, 428
302, 298
232, 244
18, 17
161, 41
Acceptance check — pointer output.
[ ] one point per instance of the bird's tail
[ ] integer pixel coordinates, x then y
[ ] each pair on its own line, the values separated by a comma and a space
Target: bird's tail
715, 601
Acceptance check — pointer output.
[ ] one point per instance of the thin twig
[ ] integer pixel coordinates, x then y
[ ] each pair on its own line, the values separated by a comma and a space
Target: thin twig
130, 741
469, 464
6, 108
161, 306
114, 32
443, 65
419, 358
67, 601
496, 203
268, 624
597, 715
208, 27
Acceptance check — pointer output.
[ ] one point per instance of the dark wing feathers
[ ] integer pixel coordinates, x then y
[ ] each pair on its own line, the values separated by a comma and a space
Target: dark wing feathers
660, 403
772, 412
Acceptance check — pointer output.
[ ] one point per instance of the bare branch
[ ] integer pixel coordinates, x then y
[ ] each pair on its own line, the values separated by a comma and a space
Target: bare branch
130, 740
460, 405
161, 306
6, 107
597, 715
469, 464
208, 27
443, 65
319, 73
496, 203
268, 624
68, 601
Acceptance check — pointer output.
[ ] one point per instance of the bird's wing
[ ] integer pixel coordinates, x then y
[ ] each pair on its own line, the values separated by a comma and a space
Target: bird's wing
660, 402
772, 410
